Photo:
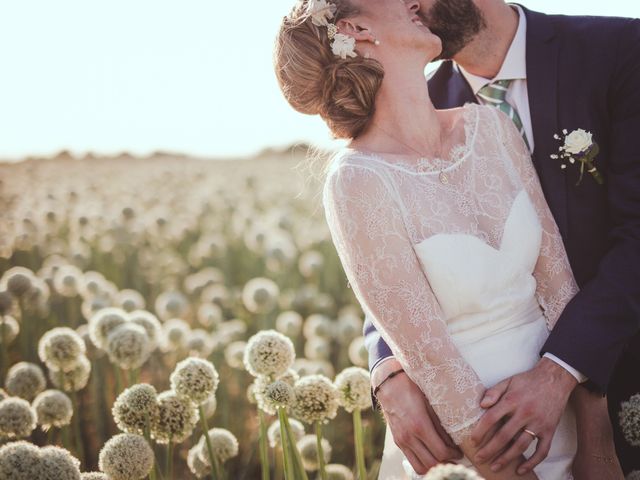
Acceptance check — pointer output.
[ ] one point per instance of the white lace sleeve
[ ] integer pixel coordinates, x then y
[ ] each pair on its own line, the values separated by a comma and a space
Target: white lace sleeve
556, 284
384, 271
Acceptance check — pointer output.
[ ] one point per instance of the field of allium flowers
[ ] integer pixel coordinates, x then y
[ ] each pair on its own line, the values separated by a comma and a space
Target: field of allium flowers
145, 301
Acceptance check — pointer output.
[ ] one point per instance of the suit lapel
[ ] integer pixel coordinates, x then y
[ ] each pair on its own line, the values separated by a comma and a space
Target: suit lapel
448, 88
542, 85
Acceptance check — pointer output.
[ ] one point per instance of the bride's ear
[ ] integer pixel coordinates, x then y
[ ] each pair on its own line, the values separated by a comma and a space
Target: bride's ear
355, 29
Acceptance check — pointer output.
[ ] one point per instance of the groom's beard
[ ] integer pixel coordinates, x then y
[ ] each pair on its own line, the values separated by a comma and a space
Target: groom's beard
456, 22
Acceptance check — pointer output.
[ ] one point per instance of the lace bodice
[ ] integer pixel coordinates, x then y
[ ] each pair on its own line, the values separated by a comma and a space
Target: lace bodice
430, 259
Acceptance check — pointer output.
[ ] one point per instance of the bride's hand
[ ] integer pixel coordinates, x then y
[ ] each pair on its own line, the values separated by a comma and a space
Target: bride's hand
414, 425
596, 457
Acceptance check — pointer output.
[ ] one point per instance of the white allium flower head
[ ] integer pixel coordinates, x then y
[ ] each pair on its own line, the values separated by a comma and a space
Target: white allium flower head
260, 295
17, 280
272, 395
354, 388
316, 399
176, 331
317, 348
231, 330
126, 457
60, 348
176, 419
358, 353
17, 418
251, 391
337, 471
289, 323
447, 471
134, 407
199, 468
130, 300
19, 461
68, 280
234, 354
308, 448
150, 323
273, 432
223, 443
199, 343
318, 325
290, 377
209, 406
53, 409
73, 380
209, 314
128, 346
630, 420
349, 327
58, 464
11, 329
321, 367
171, 304
25, 380
269, 352
635, 475
94, 476
195, 378
310, 263
103, 322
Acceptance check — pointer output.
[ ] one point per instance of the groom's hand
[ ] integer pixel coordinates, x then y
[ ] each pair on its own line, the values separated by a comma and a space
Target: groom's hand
414, 425
533, 400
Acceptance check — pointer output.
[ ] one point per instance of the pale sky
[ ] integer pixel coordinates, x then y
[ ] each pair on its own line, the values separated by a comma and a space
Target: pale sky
190, 76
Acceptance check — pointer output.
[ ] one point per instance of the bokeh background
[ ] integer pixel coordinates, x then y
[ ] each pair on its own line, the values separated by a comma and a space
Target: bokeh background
149, 161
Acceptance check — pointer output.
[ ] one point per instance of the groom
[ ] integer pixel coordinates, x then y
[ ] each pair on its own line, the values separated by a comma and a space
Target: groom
558, 73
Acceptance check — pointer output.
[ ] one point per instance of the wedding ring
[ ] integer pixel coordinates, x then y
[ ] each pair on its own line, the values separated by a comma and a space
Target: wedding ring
531, 433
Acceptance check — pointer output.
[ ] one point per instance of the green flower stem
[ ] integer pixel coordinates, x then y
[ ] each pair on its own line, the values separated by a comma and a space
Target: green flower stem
300, 472
169, 469
3, 349
76, 427
147, 436
359, 446
321, 469
118, 375
286, 448
215, 467
264, 452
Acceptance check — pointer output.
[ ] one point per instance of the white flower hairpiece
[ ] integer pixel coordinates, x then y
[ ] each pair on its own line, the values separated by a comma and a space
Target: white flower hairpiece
343, 46
321, 12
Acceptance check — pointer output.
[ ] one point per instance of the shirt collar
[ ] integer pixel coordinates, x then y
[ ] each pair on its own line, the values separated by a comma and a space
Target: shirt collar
514, 66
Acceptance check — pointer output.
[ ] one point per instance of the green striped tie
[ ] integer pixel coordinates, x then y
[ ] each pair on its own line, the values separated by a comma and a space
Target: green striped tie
495, 94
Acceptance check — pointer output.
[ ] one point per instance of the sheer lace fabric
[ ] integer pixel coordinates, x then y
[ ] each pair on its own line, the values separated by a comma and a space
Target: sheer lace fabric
404, 239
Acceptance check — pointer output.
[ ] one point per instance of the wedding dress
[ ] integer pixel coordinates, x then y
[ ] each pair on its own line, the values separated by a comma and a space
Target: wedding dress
461, 268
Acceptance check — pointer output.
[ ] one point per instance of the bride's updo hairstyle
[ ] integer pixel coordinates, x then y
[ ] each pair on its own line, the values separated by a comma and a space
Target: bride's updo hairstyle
315, 81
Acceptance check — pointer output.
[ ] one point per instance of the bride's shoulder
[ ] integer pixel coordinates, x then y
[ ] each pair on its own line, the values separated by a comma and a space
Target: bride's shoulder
348, 158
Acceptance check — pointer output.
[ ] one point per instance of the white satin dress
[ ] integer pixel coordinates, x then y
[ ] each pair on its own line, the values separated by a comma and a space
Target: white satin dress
461, 268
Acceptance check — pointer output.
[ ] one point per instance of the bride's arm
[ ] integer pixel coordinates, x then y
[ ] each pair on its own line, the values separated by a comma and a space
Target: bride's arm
369, 233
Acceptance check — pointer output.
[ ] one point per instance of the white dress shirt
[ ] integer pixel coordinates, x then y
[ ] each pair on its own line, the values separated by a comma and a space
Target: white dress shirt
513, 68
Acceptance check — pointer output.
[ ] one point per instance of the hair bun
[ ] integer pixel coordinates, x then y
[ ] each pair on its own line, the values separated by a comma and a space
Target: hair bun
315, 81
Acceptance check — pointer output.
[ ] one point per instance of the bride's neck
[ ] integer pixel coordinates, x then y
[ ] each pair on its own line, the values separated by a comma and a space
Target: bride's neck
404, 115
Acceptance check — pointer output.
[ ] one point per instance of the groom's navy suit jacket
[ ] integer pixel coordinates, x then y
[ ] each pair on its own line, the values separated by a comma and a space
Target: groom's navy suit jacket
582, 72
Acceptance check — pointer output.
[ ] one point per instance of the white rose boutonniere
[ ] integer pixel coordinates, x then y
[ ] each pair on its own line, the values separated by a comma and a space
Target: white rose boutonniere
579, 146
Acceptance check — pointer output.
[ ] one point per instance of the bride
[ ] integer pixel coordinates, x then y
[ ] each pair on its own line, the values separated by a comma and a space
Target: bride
437, 215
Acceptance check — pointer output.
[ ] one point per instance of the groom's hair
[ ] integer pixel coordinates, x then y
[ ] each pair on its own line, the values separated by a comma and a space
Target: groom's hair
315, 81
456, 22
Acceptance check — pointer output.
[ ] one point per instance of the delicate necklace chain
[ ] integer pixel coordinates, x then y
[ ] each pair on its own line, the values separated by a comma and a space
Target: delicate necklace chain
442, 176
